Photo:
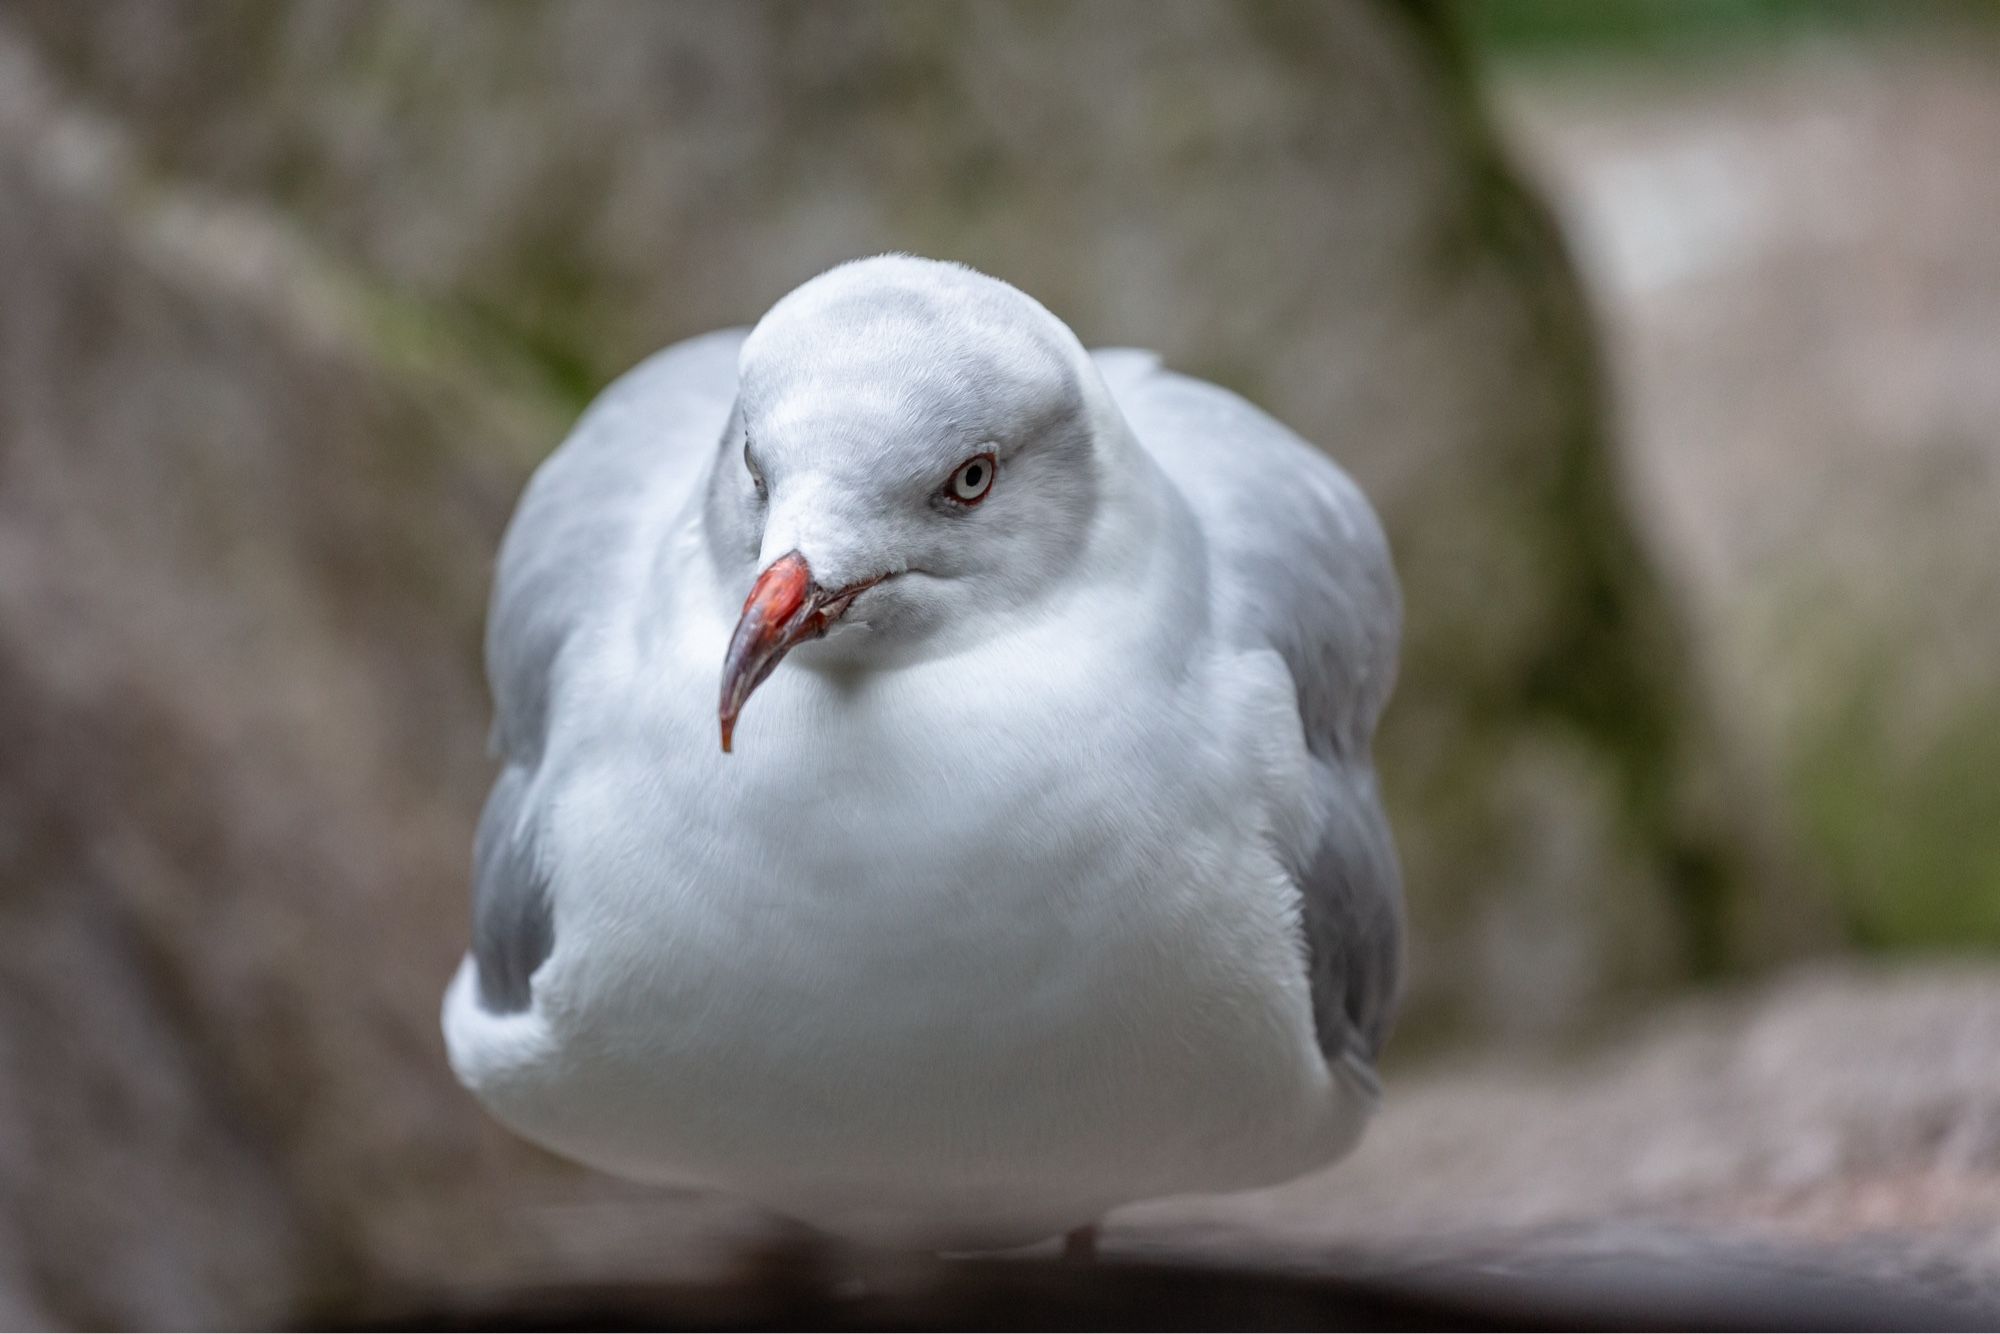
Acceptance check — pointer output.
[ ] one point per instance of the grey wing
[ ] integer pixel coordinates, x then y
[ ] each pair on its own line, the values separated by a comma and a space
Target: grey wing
1352, 914
513, 926
1301, 567
645, 441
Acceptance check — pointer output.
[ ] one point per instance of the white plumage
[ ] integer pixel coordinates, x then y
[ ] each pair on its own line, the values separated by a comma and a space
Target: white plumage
1053, 877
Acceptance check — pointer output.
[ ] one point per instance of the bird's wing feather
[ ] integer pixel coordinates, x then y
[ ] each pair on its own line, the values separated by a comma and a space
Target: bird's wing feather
1300, 567
513, 928
641, 441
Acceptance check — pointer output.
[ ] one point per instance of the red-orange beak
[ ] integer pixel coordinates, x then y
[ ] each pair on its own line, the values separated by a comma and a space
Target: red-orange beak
785, 608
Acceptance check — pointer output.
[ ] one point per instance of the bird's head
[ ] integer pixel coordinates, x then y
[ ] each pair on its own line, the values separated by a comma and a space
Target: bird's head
911, 458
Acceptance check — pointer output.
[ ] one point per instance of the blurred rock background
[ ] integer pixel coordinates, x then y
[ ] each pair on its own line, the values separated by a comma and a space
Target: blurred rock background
1662, 334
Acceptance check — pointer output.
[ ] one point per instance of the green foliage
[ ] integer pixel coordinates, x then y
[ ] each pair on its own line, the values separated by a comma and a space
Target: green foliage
1572, 28
1907, 826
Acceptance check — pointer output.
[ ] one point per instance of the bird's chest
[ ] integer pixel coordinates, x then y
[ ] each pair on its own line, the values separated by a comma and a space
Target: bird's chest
931, 849
910, 929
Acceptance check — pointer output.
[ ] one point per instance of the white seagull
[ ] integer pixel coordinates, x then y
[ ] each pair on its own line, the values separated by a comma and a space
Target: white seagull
1048, 872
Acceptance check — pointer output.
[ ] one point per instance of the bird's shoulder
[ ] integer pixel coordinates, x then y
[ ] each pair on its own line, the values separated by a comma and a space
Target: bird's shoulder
1300, 567
640, 445
1299, 559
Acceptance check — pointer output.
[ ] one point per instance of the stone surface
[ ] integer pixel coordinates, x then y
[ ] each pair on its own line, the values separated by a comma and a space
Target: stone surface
1801, 273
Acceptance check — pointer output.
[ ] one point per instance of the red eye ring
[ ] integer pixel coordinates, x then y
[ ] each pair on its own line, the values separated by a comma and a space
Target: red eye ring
970, 483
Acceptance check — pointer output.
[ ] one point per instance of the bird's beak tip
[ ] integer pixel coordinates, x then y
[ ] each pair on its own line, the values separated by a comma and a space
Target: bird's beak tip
782, 610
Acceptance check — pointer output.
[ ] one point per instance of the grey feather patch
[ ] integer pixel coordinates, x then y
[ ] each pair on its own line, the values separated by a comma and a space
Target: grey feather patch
1351, 915
512, 927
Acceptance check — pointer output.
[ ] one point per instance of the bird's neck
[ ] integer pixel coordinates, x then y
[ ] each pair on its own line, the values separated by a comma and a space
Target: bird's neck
1145, 544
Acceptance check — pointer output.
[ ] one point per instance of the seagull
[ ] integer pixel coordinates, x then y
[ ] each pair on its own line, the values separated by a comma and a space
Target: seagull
936, 801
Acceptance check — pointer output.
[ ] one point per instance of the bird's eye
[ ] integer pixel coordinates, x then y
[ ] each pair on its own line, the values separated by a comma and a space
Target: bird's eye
756, 478
974, 478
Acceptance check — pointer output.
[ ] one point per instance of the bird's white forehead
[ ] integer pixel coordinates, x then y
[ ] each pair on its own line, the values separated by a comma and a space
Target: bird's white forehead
805, 405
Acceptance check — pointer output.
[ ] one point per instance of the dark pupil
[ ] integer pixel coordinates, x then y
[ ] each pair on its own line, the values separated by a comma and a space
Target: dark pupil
973, 474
